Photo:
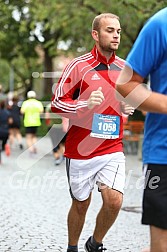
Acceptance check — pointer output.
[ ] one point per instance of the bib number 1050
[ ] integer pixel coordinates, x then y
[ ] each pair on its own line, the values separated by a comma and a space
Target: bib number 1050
107, 126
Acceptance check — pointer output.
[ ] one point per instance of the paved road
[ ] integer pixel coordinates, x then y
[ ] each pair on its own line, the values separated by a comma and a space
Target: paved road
34, 202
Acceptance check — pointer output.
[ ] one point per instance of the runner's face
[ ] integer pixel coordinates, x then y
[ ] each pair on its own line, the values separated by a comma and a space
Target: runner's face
109, 34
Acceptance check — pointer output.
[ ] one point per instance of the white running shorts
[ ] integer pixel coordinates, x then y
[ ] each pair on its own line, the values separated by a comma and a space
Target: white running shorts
105, 171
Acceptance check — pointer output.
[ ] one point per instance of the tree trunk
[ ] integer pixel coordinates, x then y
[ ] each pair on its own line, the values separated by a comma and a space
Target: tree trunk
48, 73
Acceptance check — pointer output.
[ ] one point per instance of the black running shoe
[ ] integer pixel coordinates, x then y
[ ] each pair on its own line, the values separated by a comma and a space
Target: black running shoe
90, 248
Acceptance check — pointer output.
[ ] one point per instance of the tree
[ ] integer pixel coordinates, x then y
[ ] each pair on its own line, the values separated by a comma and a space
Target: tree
35, 32
15, 46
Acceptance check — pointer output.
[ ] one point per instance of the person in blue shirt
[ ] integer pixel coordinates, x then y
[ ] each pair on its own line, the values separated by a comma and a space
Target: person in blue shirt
148, 57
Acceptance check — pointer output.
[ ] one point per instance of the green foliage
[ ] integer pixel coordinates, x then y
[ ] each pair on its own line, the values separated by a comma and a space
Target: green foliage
43, 129
4, 74
28, 25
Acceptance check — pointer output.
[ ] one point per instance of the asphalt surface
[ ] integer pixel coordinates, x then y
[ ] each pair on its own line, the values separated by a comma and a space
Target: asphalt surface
34, 202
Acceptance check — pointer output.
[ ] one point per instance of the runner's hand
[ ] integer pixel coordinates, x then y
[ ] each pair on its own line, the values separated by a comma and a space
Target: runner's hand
127, 109
96, 98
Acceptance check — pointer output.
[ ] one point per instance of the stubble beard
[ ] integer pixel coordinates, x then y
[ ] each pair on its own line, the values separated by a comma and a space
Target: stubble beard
108, 49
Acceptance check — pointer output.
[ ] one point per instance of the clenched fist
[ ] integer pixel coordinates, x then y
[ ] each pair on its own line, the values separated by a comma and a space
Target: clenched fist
96, 98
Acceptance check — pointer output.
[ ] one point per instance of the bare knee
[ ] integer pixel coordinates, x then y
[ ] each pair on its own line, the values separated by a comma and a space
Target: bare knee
81, 206
112, 202
113, 206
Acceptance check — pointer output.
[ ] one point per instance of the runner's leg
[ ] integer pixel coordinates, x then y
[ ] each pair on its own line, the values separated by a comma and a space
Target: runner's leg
112, 201
76, 219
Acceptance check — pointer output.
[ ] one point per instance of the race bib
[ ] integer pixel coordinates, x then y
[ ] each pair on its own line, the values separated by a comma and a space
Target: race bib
105, 126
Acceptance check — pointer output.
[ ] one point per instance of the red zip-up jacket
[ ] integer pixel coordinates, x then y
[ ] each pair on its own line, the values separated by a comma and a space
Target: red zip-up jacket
80, 77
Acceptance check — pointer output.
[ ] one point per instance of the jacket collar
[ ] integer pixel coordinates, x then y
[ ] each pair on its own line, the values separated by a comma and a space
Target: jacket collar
99, 57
